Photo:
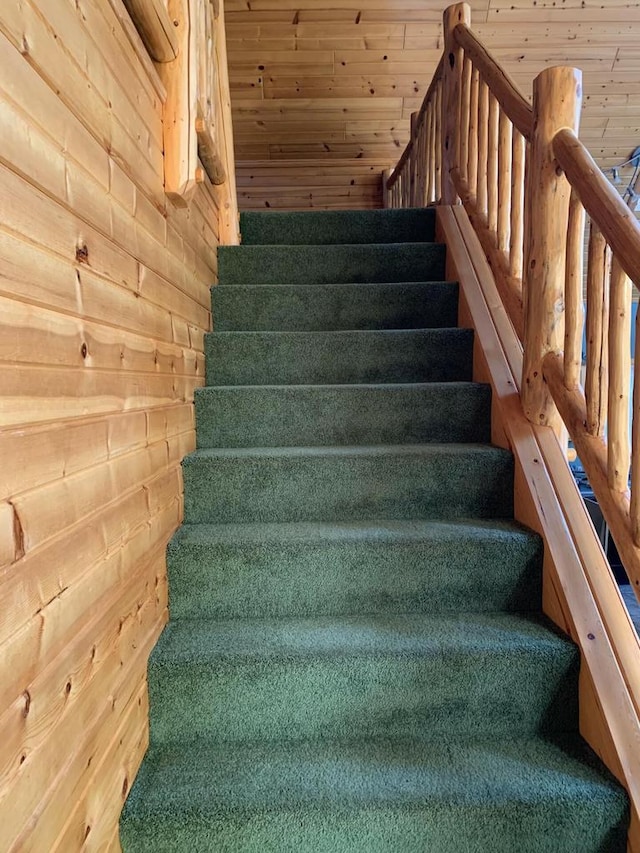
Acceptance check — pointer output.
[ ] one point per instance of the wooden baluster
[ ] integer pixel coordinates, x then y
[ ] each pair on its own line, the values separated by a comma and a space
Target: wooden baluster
504, 182
465, 111
460, 13
634, 510
573, 293
430, 165
492, 164
472, 148
556, 104
420, 165
596, 380
483, 139
517, 204
618, 452
424, 158
437, 142
413, 160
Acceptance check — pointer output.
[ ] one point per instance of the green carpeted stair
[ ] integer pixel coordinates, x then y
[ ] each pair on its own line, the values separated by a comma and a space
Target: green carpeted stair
356, 659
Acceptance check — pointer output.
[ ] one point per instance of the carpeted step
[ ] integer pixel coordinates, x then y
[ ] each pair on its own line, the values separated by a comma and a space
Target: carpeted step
518, 796
338, 226
323, 307
231, 571
378, 675
305, 415
302, 358
330, 264
439, 481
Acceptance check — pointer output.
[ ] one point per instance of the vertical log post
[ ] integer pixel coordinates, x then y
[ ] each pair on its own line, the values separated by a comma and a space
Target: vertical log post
618, 449
596, 378
504, 183
472, 147
460, 13
516, 225
557, 95
414, 158
573, 294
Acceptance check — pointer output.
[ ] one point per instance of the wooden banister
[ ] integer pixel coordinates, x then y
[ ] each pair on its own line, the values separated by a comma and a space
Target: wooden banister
499, 82
601, 201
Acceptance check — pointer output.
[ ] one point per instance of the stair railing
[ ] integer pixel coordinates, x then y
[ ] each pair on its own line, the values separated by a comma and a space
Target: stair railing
526, 181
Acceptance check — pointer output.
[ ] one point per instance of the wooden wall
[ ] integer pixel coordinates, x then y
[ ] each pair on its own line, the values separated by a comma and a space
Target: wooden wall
313, 184
318, 80
104, 301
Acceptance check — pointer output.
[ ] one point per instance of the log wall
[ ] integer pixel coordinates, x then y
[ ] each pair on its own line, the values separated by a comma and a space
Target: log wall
309, 184
104, 301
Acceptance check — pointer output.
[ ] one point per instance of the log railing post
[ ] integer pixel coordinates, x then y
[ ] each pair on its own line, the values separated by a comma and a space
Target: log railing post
556, 104
460, 13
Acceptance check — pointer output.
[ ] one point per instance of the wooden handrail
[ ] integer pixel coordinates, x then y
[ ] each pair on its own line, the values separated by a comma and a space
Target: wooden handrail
500, 84
601, 201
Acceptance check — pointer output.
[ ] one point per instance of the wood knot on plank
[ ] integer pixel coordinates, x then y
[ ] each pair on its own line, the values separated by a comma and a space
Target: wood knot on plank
82, 254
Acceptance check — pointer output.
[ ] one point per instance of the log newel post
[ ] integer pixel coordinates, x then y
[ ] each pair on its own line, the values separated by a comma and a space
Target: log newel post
460, 13
556, 104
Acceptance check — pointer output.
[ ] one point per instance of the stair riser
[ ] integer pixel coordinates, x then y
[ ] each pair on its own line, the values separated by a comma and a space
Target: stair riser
554, 826
364, 226
290, 358
494, 693
235, 581
301, 487
330, 264
309, 416
335, 307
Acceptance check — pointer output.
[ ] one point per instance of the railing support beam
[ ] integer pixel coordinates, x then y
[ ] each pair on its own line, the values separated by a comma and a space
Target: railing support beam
557, 95
460, 13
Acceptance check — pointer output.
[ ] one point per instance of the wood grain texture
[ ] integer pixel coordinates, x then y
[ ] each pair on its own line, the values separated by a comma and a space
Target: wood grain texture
295, 54
104, 300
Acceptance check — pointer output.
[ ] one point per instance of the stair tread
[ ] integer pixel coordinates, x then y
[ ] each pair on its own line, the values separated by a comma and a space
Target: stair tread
360, 450
342, 388
214, 779
427, 283
191, 641
382, 530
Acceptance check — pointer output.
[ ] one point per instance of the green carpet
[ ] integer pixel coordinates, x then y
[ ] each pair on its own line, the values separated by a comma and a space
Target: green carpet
356, 658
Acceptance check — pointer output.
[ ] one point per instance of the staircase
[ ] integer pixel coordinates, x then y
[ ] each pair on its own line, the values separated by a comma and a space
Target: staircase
356, 659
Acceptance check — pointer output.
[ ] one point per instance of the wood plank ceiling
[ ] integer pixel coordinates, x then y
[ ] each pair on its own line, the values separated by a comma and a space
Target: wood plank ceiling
328, 82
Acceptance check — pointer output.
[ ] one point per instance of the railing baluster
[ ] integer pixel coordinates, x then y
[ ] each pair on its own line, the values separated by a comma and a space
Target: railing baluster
465, 110
596, 378
634, 509
492, 164
437, 135
472, 148
430, 171
573, 293
516, 229
618, 454
483, 140
504, 181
